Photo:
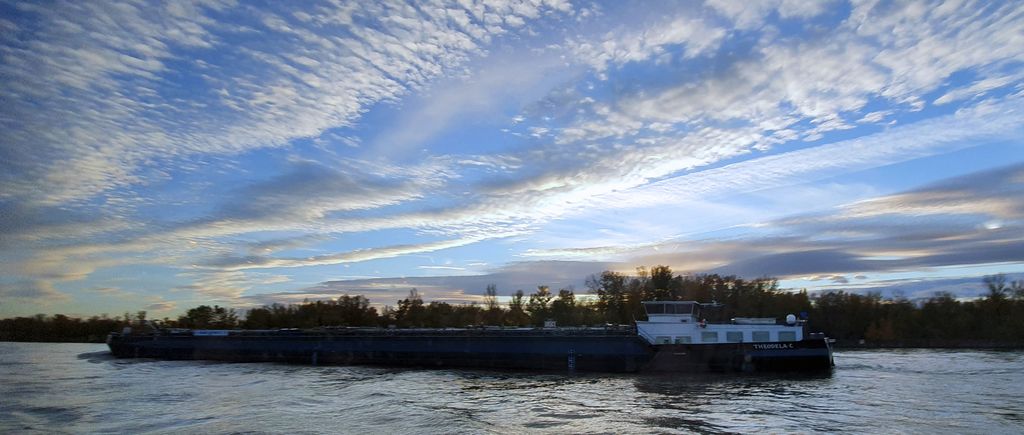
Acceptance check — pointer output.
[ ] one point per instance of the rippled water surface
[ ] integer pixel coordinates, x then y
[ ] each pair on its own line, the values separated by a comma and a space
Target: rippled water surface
79, 388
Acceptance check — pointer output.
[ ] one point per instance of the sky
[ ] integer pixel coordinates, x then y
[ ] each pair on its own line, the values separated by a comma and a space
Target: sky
161, 155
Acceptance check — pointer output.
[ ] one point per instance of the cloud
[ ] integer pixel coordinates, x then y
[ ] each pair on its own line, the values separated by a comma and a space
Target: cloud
270, 246
38, 292
226, 286
926, 42
936, 226
137, 144
984, 195
115, 88
524, 276
382, 295
918, 289
162, 306
261, 262
26, 223
748, 15
440, 268
619, 47
788, 264
978, 88
874, 116
275, 279
308, 191
941, 225
502, 81
935, 136
312, 192
112, 291
787, 86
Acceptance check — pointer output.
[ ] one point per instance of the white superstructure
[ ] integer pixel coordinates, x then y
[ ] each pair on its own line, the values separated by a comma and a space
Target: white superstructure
680, 322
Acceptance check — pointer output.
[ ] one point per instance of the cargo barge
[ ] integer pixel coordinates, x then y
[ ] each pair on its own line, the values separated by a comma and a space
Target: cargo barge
675, 338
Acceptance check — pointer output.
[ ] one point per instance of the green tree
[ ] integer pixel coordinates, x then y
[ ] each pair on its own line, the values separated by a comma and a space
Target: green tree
661, 283
610, 288
517, 310
223, 318
411, 312
539, 305
495, 315
356, 311
563, 309
199, 317
637, 291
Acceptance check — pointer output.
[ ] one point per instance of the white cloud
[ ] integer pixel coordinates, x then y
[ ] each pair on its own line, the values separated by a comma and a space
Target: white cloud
751, 15
978, 88
260, 262
161, 306
120, 110
502, 81
94, 115
897, 53
440, 268
924, 42
908, 142
219, 285
619, 47
873, 117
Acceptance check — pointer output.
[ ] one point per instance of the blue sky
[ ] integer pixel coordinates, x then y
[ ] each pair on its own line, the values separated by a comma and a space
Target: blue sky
159, 156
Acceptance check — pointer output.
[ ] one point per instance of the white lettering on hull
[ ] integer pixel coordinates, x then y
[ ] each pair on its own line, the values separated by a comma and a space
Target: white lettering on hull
774, 346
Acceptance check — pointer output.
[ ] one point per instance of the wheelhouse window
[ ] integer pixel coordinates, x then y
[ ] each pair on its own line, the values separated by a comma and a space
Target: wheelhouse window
685, 308
787, 336
734, 336
684, 339
760, 336
709, 337
663, 339
682, 308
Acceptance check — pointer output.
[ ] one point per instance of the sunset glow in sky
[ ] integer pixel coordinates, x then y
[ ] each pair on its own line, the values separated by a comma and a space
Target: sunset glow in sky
158, 156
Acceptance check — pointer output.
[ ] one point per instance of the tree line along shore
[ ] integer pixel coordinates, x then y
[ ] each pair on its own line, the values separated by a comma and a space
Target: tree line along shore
854, 320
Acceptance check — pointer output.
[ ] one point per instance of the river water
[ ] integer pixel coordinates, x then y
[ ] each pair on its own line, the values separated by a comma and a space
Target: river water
79, 388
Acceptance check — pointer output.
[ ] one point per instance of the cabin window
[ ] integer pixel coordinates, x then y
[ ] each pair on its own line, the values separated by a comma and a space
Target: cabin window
787, 335
759, 336
656, 309
684, 339
734, 336
662, 339
709, 337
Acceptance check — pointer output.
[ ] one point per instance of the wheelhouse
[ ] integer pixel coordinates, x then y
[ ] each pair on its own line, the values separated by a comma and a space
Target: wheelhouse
672, 311
682, 322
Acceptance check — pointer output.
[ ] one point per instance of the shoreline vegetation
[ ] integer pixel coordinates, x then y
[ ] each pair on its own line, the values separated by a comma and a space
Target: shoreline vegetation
856, 321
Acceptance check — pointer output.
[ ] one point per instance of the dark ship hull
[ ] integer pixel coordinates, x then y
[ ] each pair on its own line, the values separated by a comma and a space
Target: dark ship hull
598, 350
809, 355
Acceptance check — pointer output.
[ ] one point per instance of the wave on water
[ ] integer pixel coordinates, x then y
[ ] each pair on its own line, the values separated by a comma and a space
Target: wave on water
98, 357
82, 389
